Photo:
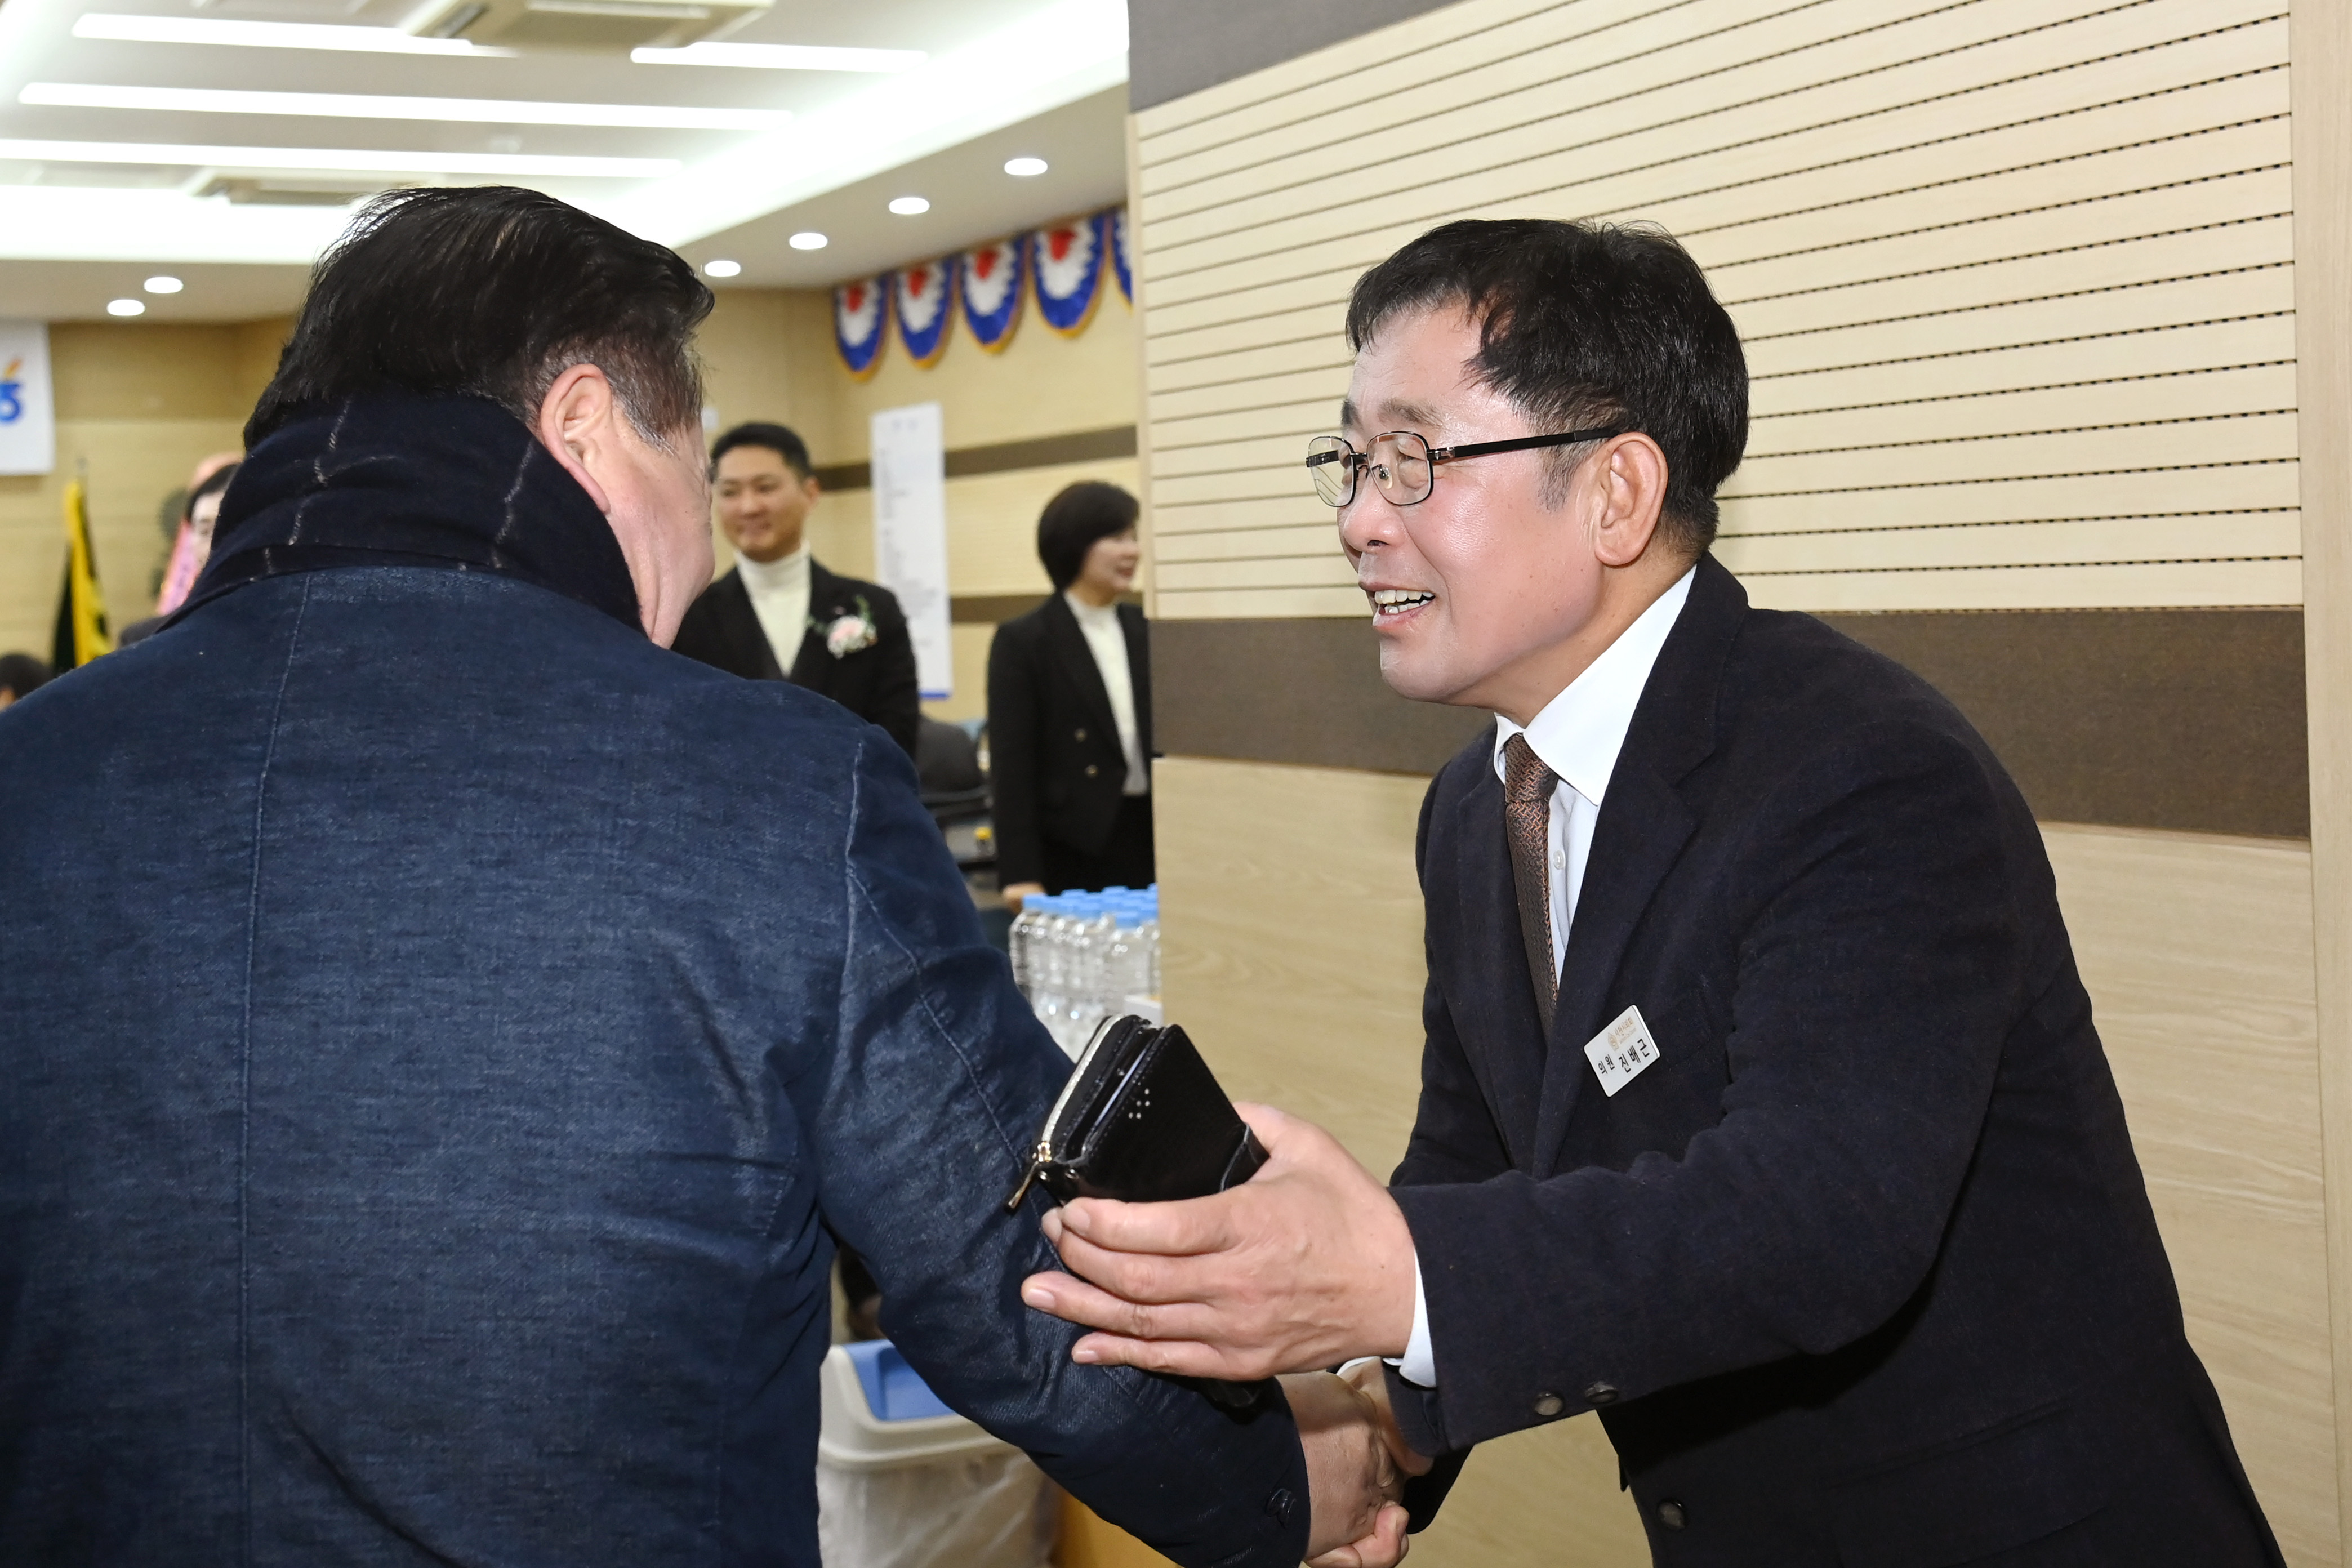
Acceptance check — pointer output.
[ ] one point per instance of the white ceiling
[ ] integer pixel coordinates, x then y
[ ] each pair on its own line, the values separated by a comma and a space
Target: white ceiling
1001, 78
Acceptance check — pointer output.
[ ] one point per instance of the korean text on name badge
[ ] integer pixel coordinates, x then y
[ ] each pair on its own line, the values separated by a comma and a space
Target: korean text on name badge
1619, 1052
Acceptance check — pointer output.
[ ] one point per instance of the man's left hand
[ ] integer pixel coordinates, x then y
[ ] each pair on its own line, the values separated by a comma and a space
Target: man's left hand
1308, 1264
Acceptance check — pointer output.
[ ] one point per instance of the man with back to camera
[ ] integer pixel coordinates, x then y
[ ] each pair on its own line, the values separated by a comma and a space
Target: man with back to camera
1761, 1108
442, 1027
778, 615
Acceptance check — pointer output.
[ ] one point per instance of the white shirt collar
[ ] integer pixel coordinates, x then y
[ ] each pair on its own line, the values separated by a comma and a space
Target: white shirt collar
1098, 614
1580, 732
783, 572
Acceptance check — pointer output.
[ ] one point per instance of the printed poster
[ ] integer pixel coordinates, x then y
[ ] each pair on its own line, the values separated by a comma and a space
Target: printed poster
910, 534
28, 430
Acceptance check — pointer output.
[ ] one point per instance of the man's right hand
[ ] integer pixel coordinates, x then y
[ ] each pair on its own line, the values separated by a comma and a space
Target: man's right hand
1355, 1470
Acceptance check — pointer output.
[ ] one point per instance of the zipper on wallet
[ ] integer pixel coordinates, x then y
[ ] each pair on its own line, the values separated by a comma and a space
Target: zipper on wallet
1037, 1163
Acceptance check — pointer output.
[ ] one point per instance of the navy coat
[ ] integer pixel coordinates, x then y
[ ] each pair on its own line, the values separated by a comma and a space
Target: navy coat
1862, 1269
438, 1030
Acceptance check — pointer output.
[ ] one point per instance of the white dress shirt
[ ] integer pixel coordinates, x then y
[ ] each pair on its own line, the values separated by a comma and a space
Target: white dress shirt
1107, 641
779, 598
1578, 736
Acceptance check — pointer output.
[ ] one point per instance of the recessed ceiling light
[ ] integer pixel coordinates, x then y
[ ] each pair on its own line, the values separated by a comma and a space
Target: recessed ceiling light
268, 35
807, 239
334, 160
126, 307
163, 283
722, 269
782, 57
374, 106
1022, 168
909, 207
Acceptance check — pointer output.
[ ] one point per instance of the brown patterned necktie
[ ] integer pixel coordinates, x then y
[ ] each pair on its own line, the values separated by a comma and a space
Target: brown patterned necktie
1527, 785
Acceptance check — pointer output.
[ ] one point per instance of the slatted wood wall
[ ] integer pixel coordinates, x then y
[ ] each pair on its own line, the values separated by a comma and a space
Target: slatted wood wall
2015, 278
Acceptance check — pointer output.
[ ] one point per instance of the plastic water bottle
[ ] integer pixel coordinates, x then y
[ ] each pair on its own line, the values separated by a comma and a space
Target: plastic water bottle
1024, 931
1046, 965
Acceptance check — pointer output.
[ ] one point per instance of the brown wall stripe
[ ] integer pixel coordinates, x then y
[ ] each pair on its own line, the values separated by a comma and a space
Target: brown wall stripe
1004, 457
2186, 719
992, 609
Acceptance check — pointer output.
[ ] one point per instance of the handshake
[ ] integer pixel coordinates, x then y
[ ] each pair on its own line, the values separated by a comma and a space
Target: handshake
1356, 1466
1308, 1264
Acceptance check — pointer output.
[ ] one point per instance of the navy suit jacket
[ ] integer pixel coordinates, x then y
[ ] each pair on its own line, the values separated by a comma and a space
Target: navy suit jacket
1862, 1269
440, 1033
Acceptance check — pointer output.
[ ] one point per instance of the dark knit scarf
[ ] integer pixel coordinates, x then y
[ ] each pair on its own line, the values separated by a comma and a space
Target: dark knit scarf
395, 479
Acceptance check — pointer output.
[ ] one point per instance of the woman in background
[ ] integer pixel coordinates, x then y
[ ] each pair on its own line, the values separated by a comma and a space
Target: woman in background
1069, 710
193, 548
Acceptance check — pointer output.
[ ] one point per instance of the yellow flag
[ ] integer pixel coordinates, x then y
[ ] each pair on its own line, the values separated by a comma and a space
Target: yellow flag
81, 618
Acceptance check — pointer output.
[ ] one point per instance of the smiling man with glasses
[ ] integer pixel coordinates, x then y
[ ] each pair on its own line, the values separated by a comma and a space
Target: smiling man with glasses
1762, 1111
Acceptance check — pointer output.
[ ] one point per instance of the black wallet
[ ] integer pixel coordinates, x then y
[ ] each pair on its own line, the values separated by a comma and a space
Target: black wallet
1143, 1120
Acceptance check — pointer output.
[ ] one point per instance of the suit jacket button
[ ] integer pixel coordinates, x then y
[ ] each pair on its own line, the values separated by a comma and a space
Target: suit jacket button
1081, 735
1601, 1394
1549, 1404
1671, 1515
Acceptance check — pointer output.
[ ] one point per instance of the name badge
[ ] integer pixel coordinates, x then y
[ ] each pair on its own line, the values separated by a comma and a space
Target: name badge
1619, 1052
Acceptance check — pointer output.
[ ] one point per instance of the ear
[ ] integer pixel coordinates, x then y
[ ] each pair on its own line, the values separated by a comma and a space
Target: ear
1630, 474
577, 425
810, 488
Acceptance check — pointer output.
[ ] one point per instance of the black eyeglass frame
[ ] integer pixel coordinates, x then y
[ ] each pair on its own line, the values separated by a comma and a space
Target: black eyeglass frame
1439, 455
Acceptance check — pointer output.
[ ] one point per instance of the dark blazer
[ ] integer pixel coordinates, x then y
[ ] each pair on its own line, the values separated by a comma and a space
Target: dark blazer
441, 1035
1055, 762
876, 683
1862, 1269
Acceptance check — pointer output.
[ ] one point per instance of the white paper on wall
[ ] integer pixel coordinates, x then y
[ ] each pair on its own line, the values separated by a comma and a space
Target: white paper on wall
28, 429
910, 534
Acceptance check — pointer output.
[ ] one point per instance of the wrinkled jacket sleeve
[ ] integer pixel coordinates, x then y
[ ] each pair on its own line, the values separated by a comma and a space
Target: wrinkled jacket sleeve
941, 1082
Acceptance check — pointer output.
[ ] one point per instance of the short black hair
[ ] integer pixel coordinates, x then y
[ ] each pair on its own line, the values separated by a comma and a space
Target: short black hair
21, 674
492, 292
1076, 517
215, 483
1586, 324
783, 442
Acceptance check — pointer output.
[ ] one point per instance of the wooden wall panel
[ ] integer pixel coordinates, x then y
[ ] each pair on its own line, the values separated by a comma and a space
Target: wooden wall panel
1293, 954
1991, 260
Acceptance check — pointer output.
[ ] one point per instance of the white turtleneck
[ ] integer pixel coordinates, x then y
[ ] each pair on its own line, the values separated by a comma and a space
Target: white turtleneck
1107, 639
779, 598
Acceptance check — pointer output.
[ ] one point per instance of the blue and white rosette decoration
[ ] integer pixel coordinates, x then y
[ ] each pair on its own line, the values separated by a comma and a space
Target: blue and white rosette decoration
1067, 258
924, 298
991, 280
861, 321
1122, 254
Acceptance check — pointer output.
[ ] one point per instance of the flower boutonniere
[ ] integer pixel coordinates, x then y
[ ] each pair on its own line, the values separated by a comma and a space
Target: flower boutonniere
848, 633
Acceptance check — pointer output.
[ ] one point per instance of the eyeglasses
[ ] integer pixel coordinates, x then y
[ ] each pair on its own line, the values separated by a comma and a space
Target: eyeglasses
1404, 467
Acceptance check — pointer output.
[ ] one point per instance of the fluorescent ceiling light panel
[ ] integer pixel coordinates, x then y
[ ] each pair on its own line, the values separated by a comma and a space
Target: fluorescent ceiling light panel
1024, 168
782, 57
268, 35
723, 268
371, 105
165, 229
125, 308
336, 160
1060, 52
909, 206
163, 283
807, 239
